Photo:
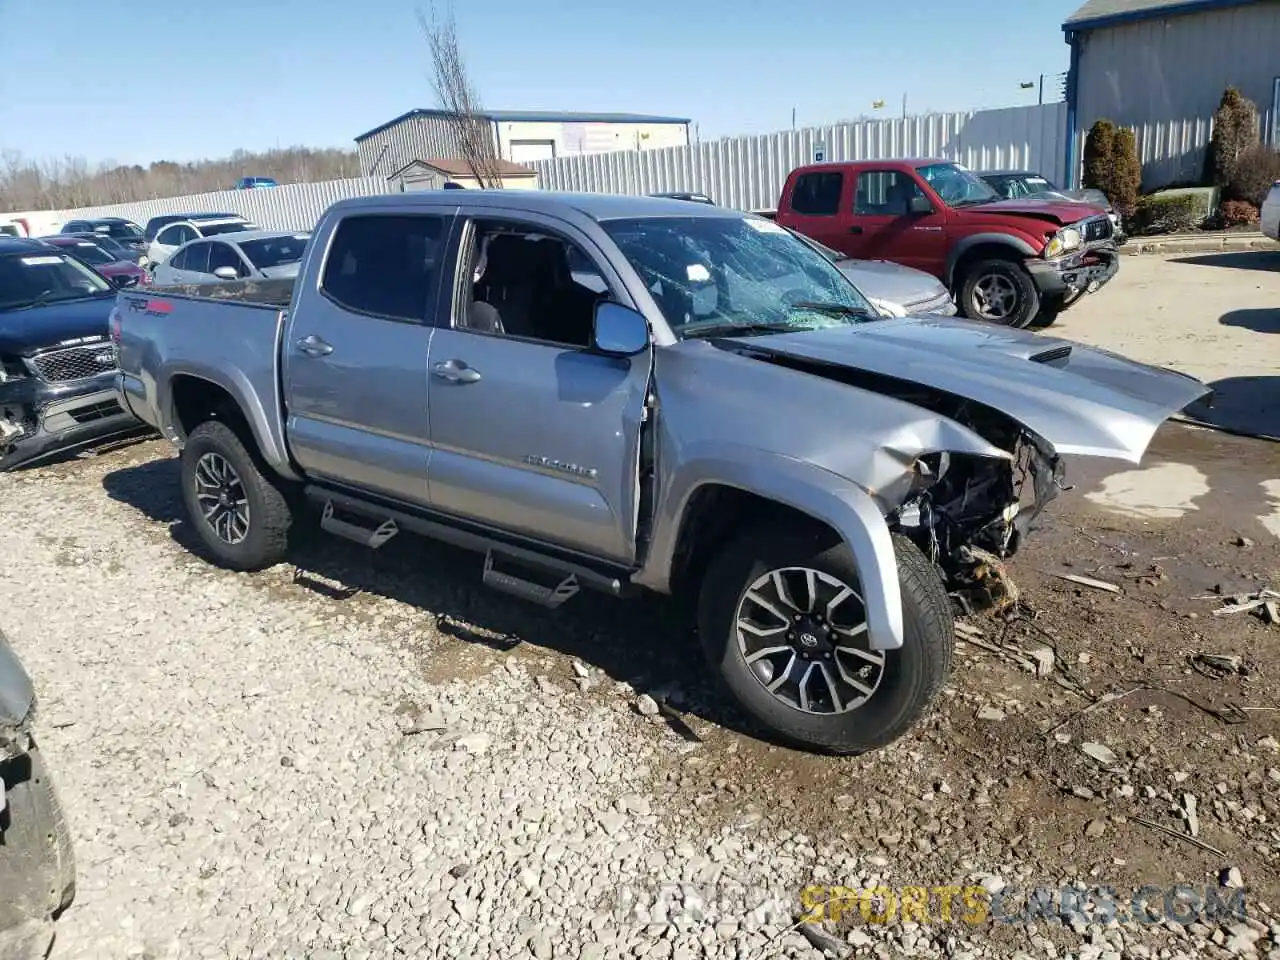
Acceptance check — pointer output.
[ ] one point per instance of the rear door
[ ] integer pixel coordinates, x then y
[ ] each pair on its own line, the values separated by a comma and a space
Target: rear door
887, 227
532, 430
355, 351
188, 265
818, 207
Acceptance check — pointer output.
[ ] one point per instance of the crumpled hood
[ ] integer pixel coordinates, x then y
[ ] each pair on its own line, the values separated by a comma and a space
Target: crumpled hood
36, 328
882, 280
1080, 399
1061, 212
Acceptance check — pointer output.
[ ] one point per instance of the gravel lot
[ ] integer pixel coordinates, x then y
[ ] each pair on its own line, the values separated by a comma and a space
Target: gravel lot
367, 755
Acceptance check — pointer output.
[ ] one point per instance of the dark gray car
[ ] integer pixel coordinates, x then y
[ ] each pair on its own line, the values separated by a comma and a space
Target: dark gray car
37, 866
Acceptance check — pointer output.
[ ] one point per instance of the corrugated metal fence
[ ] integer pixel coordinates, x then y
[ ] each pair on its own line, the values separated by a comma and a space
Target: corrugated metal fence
294, 206
745, 172
748, 172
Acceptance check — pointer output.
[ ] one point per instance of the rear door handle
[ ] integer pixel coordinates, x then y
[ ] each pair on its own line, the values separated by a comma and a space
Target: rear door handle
455, 371
314, 346
855, 229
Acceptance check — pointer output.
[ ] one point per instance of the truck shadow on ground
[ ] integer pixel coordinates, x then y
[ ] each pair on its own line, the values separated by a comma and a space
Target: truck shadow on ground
644, 641
1246, 405
1267, 260
1265, 320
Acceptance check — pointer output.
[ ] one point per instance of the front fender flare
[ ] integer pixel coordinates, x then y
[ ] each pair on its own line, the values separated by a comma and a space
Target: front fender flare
1015, 244
841, 504
237, 385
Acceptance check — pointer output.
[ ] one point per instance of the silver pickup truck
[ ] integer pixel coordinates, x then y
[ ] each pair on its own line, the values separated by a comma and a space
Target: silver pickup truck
717, 413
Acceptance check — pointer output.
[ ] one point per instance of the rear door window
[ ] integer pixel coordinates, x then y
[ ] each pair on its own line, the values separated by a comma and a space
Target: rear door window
817, 194
386, 265
198, 258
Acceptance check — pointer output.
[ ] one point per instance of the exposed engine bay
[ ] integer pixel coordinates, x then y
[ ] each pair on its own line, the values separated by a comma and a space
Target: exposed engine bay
969, 514
966, 513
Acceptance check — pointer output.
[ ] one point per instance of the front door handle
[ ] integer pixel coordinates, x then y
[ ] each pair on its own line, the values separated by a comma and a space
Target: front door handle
855, 229
455, 371
313, 346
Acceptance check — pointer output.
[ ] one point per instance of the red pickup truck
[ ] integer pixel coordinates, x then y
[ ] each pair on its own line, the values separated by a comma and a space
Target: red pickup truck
1013, 262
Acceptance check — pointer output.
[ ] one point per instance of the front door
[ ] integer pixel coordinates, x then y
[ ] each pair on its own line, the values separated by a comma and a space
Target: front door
891, 229
531, 430
355, 354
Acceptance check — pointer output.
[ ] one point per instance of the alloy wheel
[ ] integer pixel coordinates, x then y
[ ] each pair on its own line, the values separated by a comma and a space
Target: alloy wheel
996, 297
223, 501
803, 635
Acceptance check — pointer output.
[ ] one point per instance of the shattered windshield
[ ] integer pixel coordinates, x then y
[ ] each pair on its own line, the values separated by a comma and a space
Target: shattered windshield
720, 276
957, 186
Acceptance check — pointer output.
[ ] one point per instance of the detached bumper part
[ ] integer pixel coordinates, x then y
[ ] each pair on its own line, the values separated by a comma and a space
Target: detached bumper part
1080, 273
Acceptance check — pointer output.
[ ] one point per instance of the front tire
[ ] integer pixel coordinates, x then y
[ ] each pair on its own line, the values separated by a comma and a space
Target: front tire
782, 625
999, 291
236, 505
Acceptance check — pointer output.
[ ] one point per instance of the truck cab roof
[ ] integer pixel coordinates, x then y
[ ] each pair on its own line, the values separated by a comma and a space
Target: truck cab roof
596, 206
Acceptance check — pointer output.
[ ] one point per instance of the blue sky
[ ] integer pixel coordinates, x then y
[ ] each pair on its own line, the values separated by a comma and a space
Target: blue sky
181, 81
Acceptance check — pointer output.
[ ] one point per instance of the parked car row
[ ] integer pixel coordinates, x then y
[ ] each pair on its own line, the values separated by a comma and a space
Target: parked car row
920, 237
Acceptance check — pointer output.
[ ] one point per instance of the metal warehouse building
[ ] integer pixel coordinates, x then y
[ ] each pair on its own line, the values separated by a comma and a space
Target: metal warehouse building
1160, 66
520, 135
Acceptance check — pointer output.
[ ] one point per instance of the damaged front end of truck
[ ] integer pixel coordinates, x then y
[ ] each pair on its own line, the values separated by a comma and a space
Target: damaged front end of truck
969, 514
1032, 399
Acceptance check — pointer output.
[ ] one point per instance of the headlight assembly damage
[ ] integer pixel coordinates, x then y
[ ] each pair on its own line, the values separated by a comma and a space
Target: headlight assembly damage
969, 514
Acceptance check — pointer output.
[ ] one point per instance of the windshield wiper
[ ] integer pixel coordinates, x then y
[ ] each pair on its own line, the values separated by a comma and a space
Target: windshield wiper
42, 297
836, 309
730, 329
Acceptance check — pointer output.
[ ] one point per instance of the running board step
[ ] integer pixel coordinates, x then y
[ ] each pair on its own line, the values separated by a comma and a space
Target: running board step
371, 537
517, 586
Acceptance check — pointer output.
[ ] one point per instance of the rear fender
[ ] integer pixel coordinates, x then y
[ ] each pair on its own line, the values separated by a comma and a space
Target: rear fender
839, 503
263, 424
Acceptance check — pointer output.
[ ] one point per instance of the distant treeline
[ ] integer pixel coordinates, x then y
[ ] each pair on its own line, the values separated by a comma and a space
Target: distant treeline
69, 183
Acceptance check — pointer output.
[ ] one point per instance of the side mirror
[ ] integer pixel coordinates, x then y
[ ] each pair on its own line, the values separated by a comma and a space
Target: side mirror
920, 205
227, 273
620, 331
124, 280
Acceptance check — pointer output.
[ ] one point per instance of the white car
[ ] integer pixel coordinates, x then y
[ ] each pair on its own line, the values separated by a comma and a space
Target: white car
1271, 212
240, 255
176, 234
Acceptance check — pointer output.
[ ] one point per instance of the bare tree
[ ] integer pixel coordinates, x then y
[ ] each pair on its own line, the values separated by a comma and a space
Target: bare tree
473, 132
66, 184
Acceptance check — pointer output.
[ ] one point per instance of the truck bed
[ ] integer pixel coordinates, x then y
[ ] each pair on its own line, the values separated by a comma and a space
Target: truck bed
267, 293
238, 323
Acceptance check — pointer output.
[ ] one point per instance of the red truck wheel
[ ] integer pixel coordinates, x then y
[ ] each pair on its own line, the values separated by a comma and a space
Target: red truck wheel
999, 291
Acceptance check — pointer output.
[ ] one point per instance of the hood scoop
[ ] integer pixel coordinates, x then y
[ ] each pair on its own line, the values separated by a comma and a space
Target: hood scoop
1057, 356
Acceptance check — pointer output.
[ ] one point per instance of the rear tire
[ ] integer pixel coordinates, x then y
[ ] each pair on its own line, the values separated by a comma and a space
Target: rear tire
999, 291
852, 704
237, 506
